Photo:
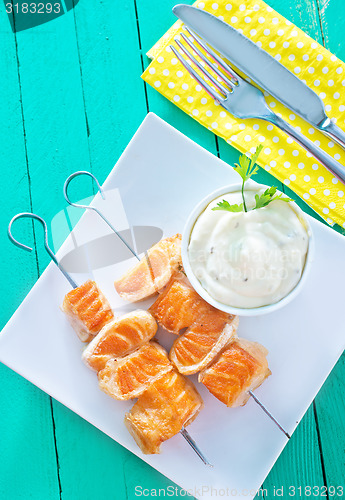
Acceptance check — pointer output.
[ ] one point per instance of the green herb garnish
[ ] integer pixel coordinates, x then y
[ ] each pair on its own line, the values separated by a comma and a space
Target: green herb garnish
225, 205
246, 168
266, 197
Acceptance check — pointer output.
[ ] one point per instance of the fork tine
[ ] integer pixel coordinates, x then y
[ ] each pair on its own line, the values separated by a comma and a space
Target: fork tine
195, 75
233, 75
210, 77
226, 80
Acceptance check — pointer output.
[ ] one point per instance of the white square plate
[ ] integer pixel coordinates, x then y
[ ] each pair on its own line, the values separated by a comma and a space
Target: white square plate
157, 181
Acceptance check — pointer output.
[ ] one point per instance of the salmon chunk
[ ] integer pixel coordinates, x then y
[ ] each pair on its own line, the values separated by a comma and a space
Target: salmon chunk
153, 271
198, 346
129, 377
178, 306
160, 412
87, 310
120, 337
240, 368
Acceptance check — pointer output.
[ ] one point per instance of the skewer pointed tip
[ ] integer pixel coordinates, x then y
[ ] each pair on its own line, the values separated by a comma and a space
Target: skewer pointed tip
195, 447
269, 414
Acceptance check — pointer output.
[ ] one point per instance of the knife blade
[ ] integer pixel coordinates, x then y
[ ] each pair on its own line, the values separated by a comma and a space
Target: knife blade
261, 67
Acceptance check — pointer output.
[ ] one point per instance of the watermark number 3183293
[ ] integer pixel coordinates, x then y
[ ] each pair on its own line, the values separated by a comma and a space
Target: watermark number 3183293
33, 8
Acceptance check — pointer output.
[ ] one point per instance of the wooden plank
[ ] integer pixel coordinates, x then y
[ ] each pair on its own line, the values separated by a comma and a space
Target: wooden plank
303, 14
26, 447
330, 403
140, 477
92, 466
56, 137
330, 410
113, 93
154, 19
56, 131
332, 19
29, 463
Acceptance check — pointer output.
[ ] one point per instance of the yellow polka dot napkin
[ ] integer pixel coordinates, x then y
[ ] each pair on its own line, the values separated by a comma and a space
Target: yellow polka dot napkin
281, 156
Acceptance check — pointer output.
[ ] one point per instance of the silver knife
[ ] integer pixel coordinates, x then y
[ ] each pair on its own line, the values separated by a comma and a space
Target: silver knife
261, 67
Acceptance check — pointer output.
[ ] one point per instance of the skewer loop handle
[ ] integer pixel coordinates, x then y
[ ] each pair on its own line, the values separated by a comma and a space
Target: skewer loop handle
29, 215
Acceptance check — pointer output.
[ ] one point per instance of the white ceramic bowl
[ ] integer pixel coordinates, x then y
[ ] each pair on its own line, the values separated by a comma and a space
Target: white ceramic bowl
254, 311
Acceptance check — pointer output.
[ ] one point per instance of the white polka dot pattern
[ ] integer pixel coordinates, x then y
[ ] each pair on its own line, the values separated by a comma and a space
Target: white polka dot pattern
281, 156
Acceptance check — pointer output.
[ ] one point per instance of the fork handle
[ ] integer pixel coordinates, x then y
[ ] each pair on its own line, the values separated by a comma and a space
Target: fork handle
330, 163
333, 131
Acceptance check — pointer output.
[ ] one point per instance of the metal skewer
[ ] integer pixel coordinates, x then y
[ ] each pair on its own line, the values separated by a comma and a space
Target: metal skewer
30, 215
46, 244
195, 447
183, 431
262, 406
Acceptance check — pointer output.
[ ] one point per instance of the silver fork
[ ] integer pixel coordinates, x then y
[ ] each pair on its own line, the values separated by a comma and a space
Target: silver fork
239, 97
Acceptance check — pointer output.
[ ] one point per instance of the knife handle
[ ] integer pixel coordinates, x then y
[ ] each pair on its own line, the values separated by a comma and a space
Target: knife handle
335, 132
330, 163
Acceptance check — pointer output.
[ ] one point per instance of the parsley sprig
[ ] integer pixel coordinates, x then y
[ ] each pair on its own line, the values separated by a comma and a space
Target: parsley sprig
267, 196
225, 205
246, 168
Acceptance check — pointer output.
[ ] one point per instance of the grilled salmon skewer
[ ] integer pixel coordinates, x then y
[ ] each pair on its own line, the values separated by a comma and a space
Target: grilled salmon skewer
89, 287
158, 277
240, 368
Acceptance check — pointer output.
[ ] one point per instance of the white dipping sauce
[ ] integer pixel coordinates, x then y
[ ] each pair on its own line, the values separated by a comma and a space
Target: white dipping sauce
248, 259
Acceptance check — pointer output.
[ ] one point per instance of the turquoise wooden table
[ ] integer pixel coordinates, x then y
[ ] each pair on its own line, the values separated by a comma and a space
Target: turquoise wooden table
71, 99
